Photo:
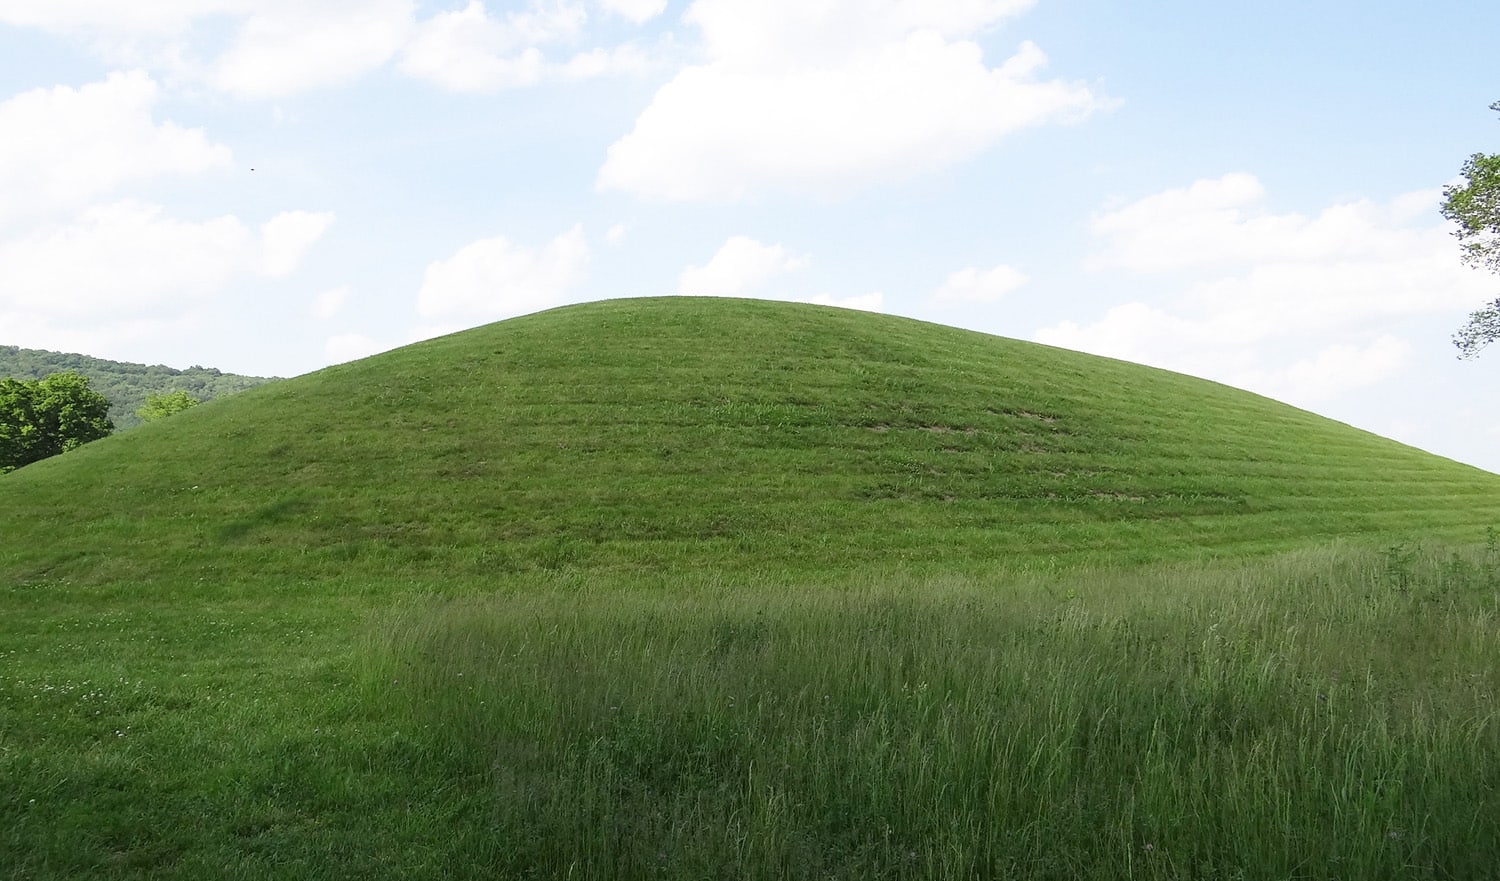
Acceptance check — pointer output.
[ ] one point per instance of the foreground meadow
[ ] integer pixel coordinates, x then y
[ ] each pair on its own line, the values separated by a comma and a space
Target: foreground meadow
1323, 714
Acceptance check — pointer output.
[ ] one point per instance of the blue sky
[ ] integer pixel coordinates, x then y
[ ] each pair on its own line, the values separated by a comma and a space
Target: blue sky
1245, 192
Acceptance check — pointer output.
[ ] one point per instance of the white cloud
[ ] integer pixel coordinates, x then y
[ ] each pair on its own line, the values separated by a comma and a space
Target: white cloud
127, 261
616, 235
1266, 274
1224, 220
637, 11
118, 338
1132, 332
286, 238
495, 278
350, 347
772, 33
1297, 307
64, 146
740, 264
145, 17
292, 47
1305, 372
827, 97
274, 48
278, 48
120, 259
1333, 370
980, 286
616, 60
469, 50
330, 303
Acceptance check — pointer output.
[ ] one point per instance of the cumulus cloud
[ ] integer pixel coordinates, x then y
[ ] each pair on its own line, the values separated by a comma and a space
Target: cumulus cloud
286, 238
788, 32
827, 97
65, 146
980, 286
278, 48
470, 51
128, 259
289, 48
1135, 332
119, 338
125, 272
330, 303
275, 48
110, 21
1300, 307
1266, 273
119, 258
1333, 370
1225, 221
612, 61
741, 264
496, 278
637, 11
112, 16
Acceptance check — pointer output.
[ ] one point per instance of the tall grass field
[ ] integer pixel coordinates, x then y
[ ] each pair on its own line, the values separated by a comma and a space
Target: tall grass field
699, 589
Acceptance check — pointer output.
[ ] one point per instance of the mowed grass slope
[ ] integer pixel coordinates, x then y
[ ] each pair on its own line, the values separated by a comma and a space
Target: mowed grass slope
722, 589
626, 437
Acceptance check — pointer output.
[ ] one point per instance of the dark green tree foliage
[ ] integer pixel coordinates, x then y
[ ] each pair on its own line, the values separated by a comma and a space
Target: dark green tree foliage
126, 385
162, 406
1475, 207
44, 417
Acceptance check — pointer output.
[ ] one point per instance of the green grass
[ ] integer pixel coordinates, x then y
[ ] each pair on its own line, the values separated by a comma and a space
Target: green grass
631, 437
687, 589
1306, 718
1324, 714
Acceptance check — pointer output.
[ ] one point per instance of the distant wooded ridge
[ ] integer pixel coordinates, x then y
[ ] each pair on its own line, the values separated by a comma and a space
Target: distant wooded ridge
126, 385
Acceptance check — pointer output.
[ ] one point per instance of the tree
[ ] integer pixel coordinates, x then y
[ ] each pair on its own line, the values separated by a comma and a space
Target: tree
162, 406
44, 417
1475, 207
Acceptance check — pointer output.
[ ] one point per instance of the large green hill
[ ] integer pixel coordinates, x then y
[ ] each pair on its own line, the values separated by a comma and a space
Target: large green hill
628, 436
685, 589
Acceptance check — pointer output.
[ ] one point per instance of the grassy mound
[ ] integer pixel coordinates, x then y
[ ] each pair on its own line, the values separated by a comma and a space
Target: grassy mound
633, 436
724, 589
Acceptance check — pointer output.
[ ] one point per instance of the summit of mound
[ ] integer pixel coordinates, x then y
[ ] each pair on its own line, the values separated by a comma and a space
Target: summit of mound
632, 436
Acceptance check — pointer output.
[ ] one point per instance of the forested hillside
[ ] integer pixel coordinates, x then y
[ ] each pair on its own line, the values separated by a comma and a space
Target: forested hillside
125, 385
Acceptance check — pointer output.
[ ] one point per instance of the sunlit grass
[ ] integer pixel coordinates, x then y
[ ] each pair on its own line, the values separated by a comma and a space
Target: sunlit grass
1327, 714
633, 438
1320, 716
